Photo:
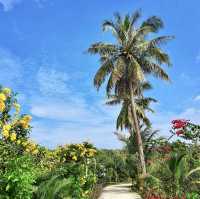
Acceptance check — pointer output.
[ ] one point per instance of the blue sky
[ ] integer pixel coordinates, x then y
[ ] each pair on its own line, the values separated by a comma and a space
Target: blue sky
42, 57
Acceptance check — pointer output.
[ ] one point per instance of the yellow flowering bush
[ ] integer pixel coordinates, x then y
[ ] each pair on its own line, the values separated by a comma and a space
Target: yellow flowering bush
76, 152
7, 91
15, 128
5, 94
15, 146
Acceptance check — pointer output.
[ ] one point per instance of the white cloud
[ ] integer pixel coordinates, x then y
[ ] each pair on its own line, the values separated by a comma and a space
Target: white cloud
60, 110
40, 3
52, 81
73, 121
63, 115
9, 4
62, 133
73, 110
198, 58
11, 68
197, 98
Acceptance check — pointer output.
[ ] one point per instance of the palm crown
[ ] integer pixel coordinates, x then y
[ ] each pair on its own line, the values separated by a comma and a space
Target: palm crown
133, 55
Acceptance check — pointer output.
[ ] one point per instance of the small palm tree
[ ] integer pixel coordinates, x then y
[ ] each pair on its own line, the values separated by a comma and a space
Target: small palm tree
147, 135
126, 62
142, 104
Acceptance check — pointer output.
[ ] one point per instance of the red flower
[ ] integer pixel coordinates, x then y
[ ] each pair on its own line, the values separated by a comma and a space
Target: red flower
179, 120
180, 132
177, 124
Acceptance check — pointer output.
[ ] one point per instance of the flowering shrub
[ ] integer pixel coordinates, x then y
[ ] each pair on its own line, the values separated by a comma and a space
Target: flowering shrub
185, 129
76, 152
15, 128
73, 167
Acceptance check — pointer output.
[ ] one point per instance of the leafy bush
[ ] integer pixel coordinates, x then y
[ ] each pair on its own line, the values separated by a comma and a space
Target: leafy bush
18, 178
69, 180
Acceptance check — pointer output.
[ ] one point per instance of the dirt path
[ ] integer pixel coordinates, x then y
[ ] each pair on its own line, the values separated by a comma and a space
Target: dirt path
120, 191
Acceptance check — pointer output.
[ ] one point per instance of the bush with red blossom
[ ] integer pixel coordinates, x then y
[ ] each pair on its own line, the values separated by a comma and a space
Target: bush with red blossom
185, 129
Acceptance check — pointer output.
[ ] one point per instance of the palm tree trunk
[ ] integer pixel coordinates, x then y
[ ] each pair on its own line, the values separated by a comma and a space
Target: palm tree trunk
137, 131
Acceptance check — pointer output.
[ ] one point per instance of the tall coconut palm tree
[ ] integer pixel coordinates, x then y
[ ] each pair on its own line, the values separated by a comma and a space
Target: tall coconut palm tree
134, 55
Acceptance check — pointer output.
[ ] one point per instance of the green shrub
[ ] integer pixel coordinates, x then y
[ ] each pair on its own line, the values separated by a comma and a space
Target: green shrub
70, 180
18, 178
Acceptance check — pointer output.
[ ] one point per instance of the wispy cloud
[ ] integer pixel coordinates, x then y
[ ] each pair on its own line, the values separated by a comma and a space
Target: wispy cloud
198, 58
9, 4
63, 115
73, 120
197, 98
52, 82
62, 133
11, 68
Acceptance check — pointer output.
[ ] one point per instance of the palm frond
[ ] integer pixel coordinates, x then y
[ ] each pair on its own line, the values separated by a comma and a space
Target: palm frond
116, 30
103, 71
156, 70
155, 22
113, 100
158, 41
134, 17
192, 172
102, 48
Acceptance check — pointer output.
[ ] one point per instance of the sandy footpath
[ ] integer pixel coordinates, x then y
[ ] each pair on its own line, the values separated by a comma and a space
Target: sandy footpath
120, 191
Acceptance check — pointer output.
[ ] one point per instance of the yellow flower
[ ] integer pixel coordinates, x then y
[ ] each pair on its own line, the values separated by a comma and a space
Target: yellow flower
17, 107
32, 146
25, 121
2, 97
7, 91
27, 150
27, 118
91, 152
80, 146
35, 152
7, 127
25, 143
24, 124
5, 133
2, 106
13, 137
74, 158
18, 142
